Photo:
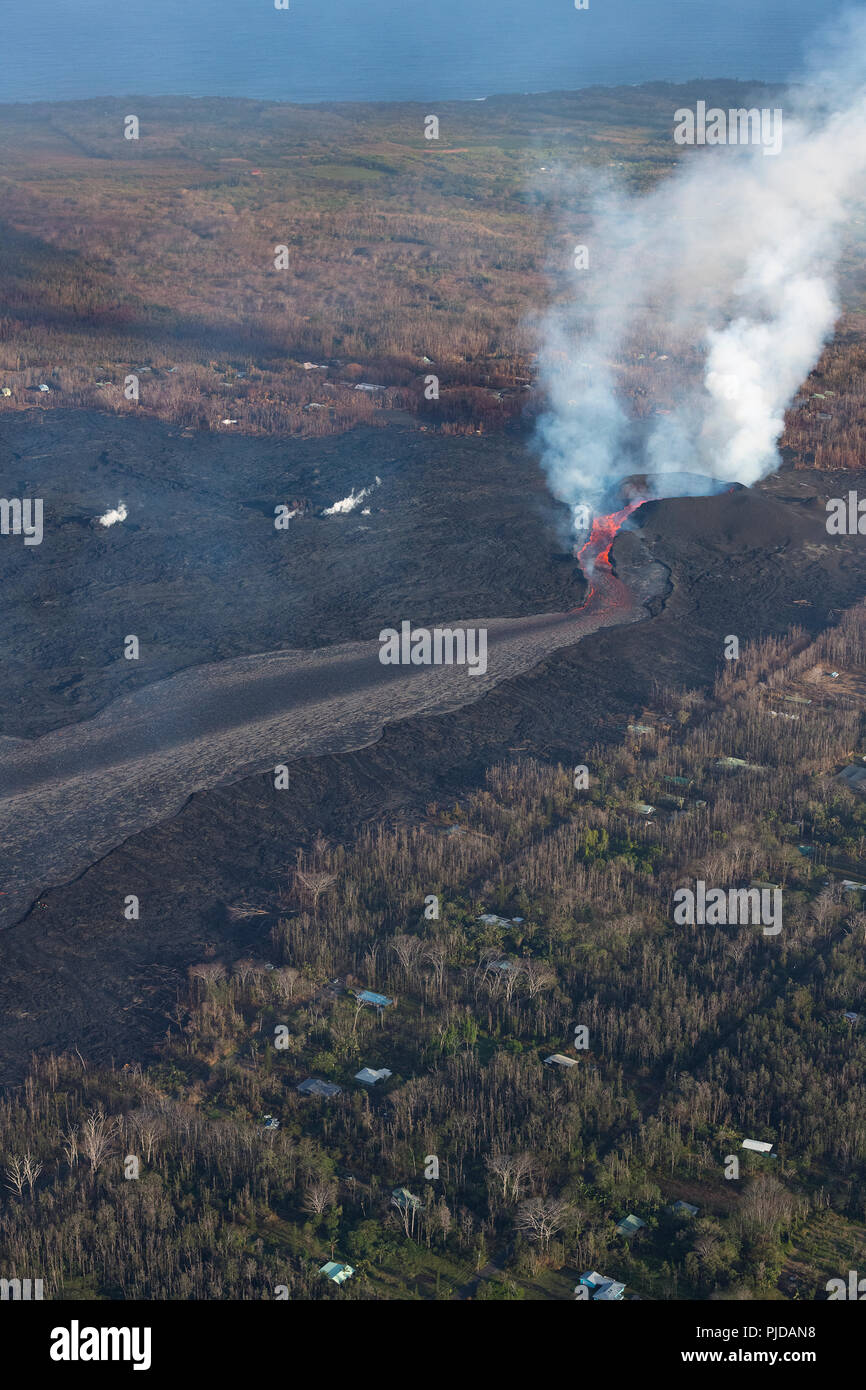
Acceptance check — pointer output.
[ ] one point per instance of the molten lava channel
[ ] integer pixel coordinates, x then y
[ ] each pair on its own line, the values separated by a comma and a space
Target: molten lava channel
595, 551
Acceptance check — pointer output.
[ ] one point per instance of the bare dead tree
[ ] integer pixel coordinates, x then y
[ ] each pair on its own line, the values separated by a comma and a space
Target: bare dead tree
319, 1196
524, 1166
766, 1204
371, 962
436, 955
150, 1127
32, 1169
500, 1165
70, 1145
242, 969
98, 1134
824, 907
284, 981
209, 973
542, 1217
858, 922
15, 1175
407, 949
314, 883
537, 976
443, 1217
410, 1210
486, 964
512, 1171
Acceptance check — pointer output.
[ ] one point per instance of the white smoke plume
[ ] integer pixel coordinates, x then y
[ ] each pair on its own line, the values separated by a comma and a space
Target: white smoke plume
348, 504
113, 515
732, 261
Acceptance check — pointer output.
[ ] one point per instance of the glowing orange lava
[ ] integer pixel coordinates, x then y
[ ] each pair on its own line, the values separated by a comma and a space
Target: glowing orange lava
604, 529
596, 550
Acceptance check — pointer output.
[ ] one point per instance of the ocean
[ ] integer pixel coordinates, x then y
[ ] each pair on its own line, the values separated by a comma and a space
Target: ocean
390, 50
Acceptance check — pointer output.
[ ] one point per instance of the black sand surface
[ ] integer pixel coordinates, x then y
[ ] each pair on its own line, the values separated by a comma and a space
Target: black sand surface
199, 573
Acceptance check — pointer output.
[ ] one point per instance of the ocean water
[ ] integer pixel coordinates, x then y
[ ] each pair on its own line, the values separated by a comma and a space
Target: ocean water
391, 50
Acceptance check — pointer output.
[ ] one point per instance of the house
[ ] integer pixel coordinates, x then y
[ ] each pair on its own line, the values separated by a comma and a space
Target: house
640, 728
314, 1086
739, 763
855, 777
504, 965
556, 1059
643, 808
610, 1293
370, 1077
369, 996
405, 1200
757, 1146
490, 919
337, 1273
270, 1122
603, 1289
44, 387
630, 1225
7, 391
684, 1209
851, 1017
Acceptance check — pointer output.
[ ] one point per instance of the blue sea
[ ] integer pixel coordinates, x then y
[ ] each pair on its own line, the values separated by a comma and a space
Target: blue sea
390, 50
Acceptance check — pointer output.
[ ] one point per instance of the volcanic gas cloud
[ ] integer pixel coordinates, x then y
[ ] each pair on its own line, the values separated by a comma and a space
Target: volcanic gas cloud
720, 286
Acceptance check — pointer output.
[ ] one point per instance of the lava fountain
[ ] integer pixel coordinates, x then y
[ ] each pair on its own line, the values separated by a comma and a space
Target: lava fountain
596, 550
594, 555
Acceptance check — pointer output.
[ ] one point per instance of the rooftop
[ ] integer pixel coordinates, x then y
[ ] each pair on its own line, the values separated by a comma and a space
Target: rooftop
369, 996
315, 1086
401, 1197
604, 1289
630, 1225
556, 1059
370, 1077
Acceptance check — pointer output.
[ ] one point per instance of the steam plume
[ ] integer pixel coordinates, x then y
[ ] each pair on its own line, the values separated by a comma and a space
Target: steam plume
732, 261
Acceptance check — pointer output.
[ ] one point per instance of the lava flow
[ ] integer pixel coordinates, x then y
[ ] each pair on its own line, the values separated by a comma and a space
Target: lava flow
595, 552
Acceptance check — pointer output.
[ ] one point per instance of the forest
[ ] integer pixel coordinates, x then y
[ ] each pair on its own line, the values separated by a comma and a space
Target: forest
558, 1054
401, 259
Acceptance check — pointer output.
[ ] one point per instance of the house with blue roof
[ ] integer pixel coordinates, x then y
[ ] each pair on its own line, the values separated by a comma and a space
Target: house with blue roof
377, 1001
602, 1289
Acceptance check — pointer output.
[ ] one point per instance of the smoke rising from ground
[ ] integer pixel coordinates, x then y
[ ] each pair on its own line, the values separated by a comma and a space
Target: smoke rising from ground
729, 267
